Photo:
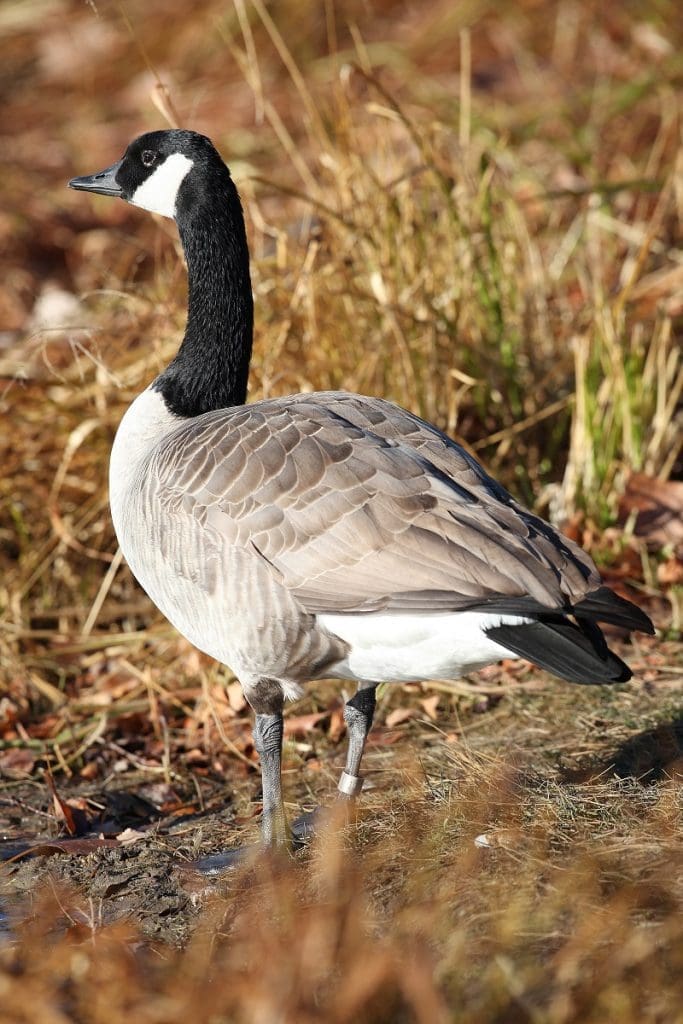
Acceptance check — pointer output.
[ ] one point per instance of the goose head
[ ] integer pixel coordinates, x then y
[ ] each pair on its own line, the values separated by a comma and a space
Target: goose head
172, 173
179, 174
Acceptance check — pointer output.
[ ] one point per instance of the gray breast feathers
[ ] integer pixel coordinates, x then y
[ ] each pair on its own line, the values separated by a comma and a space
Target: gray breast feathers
355, 505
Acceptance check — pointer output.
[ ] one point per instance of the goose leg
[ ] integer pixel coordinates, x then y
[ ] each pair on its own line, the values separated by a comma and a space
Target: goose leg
268, 732
275, 834
358, 715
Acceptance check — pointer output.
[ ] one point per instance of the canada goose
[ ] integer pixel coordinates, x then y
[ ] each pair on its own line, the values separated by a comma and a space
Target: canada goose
321, 534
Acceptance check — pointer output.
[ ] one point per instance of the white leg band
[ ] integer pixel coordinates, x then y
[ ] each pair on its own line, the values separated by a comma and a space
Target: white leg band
350, 785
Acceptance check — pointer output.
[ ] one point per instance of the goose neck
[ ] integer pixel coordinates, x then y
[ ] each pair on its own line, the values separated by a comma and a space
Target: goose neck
211, 368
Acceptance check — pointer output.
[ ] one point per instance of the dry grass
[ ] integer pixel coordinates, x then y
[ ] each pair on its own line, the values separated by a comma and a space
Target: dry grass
543, 924
473, 213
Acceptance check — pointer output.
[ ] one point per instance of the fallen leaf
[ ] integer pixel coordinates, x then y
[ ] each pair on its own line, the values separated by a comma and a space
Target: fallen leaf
298, 725
17, 763
130, 836
61, 808
659, 508
398, 716
50, 847
384, 738
430, 706
337, 726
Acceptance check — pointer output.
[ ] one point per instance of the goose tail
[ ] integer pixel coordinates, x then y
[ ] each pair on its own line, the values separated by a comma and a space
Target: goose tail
575, 649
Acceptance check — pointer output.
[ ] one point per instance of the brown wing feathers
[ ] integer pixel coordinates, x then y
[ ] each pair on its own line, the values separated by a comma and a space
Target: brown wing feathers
356, 509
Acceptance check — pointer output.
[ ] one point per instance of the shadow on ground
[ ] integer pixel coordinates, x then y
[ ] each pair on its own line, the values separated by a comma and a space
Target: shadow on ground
650, 756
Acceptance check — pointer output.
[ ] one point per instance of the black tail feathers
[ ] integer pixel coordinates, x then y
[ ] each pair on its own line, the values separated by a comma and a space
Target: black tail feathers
572, 648
575, 652
606, 606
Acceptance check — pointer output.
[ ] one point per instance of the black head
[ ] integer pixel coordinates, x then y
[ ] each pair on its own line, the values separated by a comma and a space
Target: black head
167, 172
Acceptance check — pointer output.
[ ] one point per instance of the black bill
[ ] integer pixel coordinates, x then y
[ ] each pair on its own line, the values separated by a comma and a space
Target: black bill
104, 182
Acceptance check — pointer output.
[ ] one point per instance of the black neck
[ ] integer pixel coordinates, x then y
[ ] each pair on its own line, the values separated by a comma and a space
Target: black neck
211, 368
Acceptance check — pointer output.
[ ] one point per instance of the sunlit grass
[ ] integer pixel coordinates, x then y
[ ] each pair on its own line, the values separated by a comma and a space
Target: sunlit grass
475, 213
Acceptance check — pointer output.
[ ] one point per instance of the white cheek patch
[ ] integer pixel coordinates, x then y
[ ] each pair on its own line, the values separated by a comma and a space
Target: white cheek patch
159, 192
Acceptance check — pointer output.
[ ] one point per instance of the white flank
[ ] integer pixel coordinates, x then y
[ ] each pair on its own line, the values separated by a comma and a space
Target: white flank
405, 648
159, 192
291, 691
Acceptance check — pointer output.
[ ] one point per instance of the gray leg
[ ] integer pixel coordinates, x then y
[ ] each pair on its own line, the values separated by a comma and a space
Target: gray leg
268, 730
358, 715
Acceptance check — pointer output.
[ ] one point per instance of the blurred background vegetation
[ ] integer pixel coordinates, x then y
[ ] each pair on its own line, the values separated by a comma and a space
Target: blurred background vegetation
471, 208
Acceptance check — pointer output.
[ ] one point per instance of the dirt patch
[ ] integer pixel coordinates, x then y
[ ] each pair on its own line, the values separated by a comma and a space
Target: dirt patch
130, 862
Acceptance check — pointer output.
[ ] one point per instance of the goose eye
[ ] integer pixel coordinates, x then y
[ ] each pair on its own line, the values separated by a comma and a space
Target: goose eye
148, 157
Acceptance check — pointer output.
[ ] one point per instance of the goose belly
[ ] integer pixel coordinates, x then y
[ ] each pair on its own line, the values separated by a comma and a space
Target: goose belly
407, 648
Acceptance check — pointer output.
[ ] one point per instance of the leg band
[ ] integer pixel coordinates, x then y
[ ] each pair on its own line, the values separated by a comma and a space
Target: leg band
350, 785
